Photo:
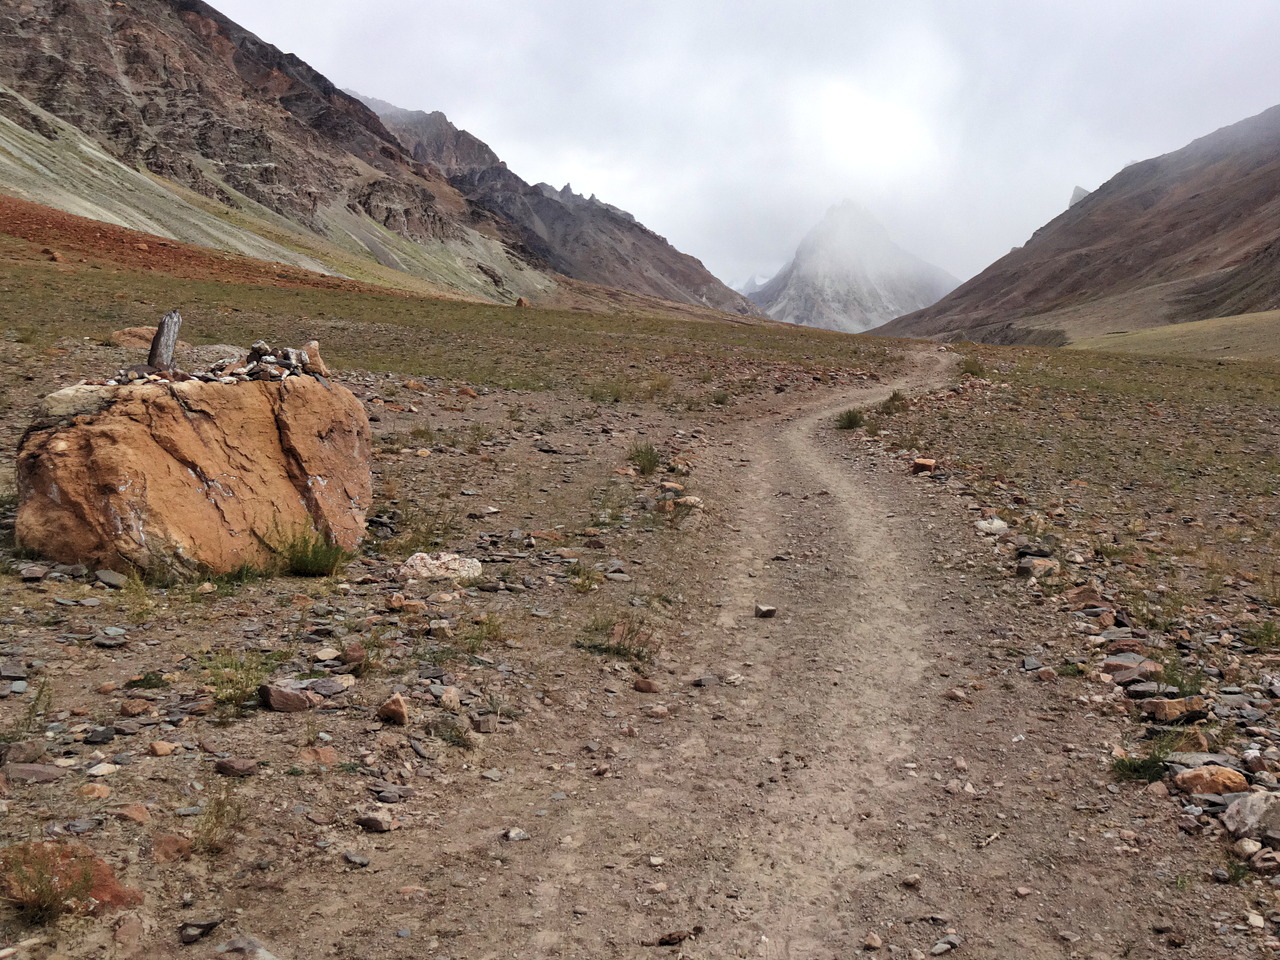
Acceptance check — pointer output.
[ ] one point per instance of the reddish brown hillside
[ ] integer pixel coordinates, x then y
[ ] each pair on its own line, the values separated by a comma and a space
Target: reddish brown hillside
1185, 236
62, 237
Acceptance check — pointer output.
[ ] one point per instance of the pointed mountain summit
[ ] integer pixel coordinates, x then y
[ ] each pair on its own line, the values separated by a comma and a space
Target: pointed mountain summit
848, 275
753, 283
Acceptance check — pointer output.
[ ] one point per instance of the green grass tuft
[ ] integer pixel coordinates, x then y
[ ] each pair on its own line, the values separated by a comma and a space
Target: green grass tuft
309, 553
850, 420
646, 458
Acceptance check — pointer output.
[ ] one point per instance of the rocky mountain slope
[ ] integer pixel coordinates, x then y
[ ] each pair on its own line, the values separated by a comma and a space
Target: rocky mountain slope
582, 237
1189, 235
158, 113
848, 275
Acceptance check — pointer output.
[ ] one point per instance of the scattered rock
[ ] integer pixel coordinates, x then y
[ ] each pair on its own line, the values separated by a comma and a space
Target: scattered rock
376, 821
169, 848
135, 812
945, 945
1037, 567
194, 930
1253, 816
394, 710
287, 701
234, 767
440, 566
322, 755
246, 947
1163, 710
112, 578
764, 611
1211, 779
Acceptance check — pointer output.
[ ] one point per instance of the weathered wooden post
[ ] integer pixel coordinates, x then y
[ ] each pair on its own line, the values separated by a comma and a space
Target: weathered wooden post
165, 341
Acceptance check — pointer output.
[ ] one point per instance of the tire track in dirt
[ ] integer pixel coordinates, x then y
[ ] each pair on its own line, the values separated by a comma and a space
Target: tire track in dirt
793, 813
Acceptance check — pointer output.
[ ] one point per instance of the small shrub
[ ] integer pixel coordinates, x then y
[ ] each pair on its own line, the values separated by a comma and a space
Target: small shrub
8, 498
1145, 769
481, 632
1189, 681
452, 732
583, 578
645, 457
229, 584
624, 637
217, 824
1264, 636
973, 367
678, 514
896, 402
609, 391
235, 677
659, 383
423, 530
309, 553
30, 721
43, 881
500, 708
136, 600
850, 420
720, 397
1150, 768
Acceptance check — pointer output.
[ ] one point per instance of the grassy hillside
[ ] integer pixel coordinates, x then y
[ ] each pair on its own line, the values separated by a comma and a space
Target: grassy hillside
1249, 336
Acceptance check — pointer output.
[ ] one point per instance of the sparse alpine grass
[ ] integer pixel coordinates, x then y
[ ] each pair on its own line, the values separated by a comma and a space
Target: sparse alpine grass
43, 881
219, 821
309, 553
236, 675
850, 420
896, 402
645, 458
624, 636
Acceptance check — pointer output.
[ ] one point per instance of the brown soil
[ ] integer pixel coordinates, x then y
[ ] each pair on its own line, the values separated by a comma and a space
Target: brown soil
870, 760
69, 239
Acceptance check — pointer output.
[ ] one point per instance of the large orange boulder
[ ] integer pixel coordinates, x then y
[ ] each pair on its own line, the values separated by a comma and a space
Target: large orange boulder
180, 477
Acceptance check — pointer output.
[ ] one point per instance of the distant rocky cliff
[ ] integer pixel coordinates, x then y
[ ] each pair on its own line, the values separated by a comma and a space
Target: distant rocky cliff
175, 88
581, 237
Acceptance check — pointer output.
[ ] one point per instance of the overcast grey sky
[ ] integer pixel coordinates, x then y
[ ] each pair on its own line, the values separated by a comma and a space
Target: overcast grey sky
730, 127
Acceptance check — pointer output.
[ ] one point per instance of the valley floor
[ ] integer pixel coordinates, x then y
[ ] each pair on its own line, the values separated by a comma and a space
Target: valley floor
872, 769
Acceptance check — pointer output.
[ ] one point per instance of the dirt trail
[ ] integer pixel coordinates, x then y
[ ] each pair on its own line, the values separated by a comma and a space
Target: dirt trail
837, 791
870, 763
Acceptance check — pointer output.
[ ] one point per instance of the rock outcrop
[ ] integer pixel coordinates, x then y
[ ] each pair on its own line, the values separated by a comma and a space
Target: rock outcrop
180, 477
